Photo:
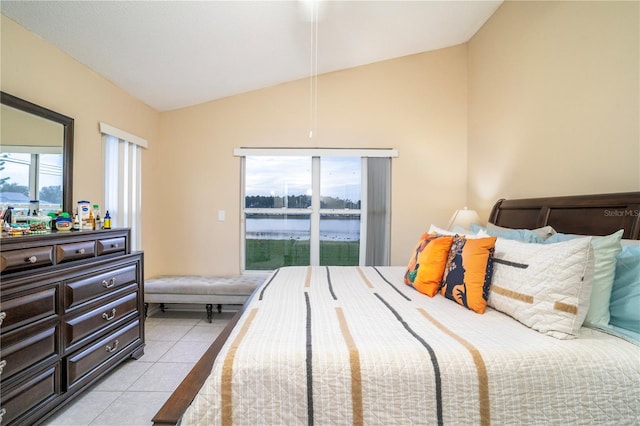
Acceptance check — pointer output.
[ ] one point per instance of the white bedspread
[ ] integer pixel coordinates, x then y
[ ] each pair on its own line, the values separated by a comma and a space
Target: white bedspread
349, 345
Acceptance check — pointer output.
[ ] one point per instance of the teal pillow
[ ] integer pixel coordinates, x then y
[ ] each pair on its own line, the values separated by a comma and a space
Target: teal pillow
625, 295
522, 235
630, 335
605, 250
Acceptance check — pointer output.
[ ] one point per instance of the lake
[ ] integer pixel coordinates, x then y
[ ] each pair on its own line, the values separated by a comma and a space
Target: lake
299, 229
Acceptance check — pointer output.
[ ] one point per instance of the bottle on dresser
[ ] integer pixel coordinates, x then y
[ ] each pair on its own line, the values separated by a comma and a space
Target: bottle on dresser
91, 222
96, 217
107, 220
84, 212
76, 222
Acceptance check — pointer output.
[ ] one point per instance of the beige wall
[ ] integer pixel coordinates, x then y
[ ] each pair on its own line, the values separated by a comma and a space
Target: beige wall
20, 128
554, 101
415, 104
35, 70
550, 89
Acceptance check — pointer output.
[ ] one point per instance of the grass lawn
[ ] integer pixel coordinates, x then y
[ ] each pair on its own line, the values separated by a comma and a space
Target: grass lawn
272, 254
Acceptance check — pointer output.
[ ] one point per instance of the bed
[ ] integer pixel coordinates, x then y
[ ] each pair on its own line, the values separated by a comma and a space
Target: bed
357, 345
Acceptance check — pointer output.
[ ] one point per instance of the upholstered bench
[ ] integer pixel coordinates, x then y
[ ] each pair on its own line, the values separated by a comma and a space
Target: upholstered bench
209, 290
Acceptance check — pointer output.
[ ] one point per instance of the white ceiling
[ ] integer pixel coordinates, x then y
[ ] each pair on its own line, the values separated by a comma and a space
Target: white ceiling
172, 54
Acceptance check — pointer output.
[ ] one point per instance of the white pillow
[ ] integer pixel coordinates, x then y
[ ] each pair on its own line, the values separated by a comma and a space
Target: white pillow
467, 233
544, 286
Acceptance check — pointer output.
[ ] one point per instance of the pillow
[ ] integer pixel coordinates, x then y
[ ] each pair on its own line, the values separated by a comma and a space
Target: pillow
435, 230
468, 272
625, 295
623, 333
545, 287
458, 230
524, 235
411, 272
605, 250
544, 232
426, 265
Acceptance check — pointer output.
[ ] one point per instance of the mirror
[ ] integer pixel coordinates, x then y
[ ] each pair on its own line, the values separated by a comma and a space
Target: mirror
36, 157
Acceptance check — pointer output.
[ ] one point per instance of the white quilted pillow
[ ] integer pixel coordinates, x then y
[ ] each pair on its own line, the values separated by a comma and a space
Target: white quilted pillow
546, 287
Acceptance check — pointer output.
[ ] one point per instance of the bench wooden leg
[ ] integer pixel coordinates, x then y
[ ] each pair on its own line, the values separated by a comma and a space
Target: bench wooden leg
209, 311
162, 307
146, 309
219, 308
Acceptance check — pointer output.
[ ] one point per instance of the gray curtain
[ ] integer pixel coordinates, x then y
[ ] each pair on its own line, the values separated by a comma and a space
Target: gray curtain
378, 211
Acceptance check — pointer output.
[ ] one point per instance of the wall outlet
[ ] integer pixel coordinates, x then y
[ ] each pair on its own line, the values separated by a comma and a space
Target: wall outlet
221, 215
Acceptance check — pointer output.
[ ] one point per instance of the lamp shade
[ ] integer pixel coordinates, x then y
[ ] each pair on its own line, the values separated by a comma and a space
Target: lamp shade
463, 218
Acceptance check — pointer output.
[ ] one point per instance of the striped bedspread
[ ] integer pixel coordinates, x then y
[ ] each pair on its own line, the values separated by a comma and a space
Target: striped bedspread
352, 345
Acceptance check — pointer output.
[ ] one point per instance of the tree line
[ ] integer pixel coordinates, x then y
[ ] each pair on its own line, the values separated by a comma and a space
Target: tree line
50, 194
297, 202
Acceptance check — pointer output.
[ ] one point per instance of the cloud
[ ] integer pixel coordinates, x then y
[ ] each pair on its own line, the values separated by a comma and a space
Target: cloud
279, 176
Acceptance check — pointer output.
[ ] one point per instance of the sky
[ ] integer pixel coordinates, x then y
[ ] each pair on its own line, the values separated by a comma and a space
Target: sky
51, 169
340, 176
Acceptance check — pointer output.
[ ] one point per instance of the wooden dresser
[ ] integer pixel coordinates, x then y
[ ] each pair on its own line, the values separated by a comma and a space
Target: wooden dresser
71, 310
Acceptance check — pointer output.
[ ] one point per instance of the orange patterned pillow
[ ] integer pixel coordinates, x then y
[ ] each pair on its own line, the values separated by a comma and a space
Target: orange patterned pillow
426, 265
468, 272
412, 268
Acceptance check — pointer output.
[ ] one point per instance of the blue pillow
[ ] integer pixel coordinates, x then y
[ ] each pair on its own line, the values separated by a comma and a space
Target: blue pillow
605, 250
625, 296
522, 235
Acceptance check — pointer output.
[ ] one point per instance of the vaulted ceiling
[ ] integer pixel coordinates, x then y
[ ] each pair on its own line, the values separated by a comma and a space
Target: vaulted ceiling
172, 54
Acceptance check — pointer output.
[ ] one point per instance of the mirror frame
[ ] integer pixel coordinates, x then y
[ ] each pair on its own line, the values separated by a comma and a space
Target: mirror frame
67, 143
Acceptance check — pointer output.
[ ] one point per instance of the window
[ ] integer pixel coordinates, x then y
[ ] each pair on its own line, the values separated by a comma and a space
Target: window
340, 210
277, 211
27, 175
310, 207
123, 183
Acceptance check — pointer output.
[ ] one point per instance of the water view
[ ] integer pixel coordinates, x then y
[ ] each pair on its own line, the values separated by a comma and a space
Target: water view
275, 238
287, 228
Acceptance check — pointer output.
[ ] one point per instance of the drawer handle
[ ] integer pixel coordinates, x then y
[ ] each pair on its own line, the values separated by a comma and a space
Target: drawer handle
110, 283
107, 317
3, 411
3, 364
31, 259
3, 315
115, 245
81, 251
113, 348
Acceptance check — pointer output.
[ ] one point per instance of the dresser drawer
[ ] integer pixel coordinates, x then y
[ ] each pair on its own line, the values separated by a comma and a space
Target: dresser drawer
111, 245
70, 312
29, 307
80, 290
92, 357
26, 258
35, 390
100, 319
75, 251
23, 348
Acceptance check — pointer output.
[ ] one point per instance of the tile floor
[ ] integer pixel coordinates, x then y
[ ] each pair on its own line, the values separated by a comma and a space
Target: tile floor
132, 393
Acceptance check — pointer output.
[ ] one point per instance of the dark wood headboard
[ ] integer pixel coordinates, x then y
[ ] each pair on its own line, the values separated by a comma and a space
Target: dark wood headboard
600, 214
